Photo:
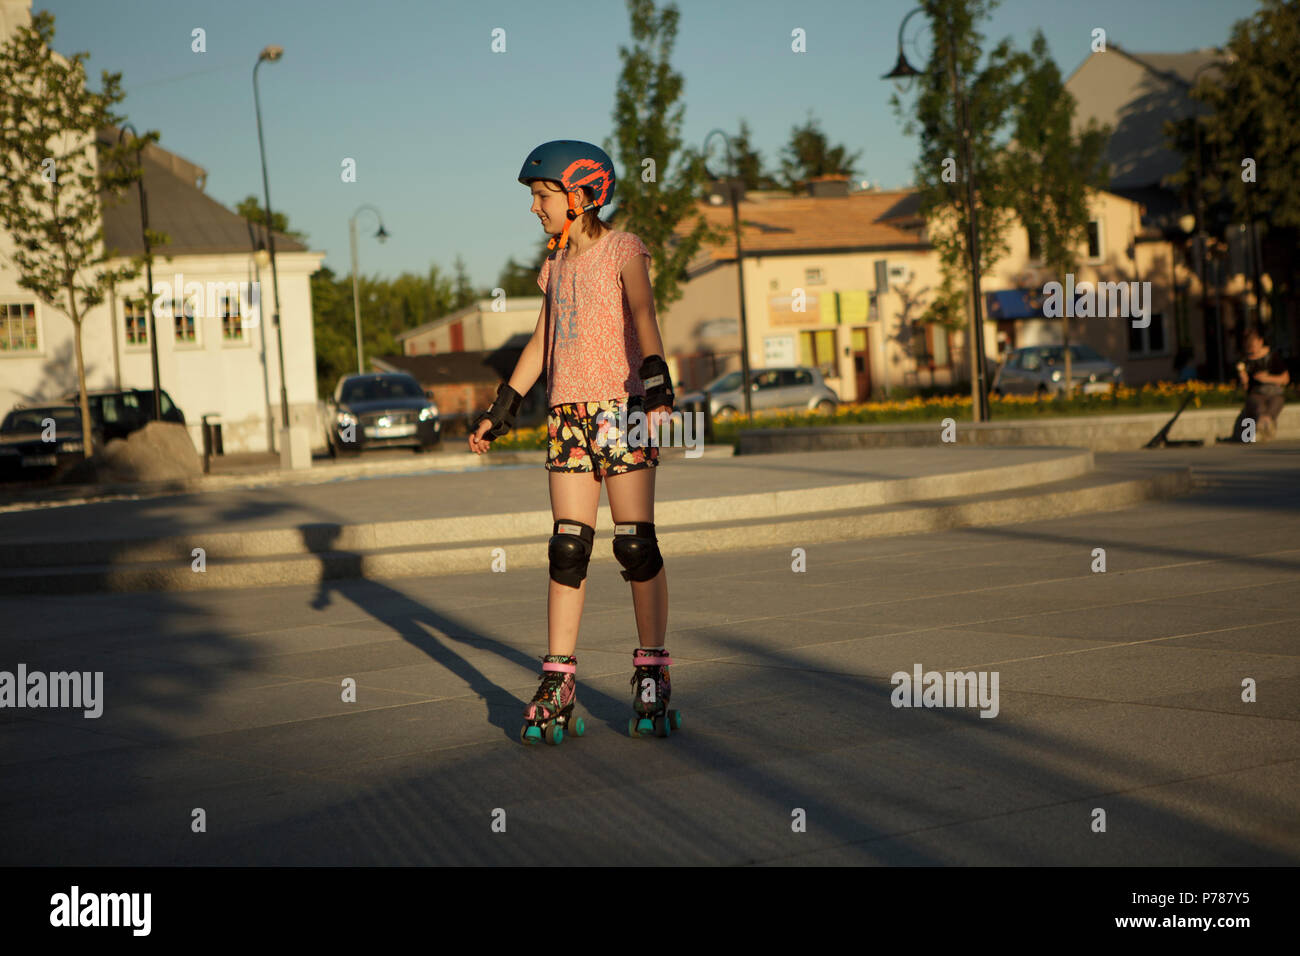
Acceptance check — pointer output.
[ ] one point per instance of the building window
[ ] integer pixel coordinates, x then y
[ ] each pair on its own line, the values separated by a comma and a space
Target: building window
930, 345
135, 316
1148, 342
186, 327
232, 323
817, 350
1035, 247
1094, 240
18, 327
813, 277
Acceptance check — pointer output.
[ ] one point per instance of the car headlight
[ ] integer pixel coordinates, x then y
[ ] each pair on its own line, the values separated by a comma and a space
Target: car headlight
428, 413
1056, 375
346, 418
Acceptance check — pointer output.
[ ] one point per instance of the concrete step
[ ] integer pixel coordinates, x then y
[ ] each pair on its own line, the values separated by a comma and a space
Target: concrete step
1092, 492
1100, 433
466, 528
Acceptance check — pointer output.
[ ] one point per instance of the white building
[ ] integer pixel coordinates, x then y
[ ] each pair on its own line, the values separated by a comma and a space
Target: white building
215, 355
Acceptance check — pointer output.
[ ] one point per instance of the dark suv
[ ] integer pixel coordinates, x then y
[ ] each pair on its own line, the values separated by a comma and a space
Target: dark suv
381, 410
119, 412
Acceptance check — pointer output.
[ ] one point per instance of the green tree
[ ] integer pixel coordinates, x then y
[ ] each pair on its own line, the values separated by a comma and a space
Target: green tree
954, 90
651, 202
809, 154
750, 162
52, 175
464, 292
388, 307
517, 279
250, 207
1052, 168
1251, 139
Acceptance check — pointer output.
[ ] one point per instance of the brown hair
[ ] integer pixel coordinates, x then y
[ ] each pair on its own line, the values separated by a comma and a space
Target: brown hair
592, 225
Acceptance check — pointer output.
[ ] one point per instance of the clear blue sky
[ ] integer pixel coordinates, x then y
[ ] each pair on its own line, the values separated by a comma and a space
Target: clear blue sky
439, 125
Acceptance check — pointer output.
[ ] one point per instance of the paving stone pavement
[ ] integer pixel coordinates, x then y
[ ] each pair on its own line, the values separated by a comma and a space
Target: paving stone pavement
1119, 691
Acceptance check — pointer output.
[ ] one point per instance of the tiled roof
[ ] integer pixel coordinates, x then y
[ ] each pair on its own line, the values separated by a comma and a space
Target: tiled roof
195, 222
773, 223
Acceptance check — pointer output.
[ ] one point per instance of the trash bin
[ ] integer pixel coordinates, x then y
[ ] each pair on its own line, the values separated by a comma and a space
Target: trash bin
212, 444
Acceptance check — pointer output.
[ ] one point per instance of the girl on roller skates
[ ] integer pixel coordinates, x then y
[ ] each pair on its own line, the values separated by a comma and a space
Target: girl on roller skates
598, 340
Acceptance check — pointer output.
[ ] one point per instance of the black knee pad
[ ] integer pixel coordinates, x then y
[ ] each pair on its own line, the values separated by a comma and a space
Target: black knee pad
570, 551
637, 549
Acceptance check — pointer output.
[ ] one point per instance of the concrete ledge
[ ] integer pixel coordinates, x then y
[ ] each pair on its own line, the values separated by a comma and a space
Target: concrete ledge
327, 538
1094, 432
1084, 494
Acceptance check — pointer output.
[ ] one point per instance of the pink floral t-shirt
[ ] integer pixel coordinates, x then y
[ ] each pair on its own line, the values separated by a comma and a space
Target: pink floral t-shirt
593, 352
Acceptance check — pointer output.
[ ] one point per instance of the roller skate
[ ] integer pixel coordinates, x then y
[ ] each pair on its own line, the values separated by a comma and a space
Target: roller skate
651, 688
551, 712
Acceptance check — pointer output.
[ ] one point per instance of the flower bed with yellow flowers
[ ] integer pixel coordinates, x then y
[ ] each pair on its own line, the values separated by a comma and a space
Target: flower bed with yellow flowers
1153, 397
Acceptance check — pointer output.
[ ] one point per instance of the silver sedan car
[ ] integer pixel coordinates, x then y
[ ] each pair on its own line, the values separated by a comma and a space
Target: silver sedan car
1040, 369
770, 388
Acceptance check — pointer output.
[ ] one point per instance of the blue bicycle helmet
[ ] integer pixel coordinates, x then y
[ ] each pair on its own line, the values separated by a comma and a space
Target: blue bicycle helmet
573, 164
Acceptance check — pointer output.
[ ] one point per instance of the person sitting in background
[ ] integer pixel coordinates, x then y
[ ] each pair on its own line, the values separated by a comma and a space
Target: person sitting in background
1263, 374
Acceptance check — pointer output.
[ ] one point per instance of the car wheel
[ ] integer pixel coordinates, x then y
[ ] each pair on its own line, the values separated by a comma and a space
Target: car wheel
724, 413
825, 407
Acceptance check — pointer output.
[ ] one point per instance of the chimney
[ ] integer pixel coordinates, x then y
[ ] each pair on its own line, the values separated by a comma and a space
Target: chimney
830, 185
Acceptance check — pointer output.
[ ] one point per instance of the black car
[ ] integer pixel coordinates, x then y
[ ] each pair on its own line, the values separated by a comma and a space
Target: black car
381, 410
25, 452
119, 412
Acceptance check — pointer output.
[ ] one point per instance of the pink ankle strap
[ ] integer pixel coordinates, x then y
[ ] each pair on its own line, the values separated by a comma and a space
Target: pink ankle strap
559, 668
640, 659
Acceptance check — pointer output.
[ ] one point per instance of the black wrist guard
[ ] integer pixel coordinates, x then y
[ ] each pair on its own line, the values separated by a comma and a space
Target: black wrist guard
657, 382
501, 414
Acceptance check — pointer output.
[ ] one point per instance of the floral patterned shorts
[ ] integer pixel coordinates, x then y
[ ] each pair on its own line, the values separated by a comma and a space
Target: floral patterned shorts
584, 436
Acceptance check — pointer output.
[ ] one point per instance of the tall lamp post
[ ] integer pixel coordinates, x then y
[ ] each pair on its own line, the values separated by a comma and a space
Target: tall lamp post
271, 54
261, 258
381, 235
734, 190
905, 71
1202, 235
148, 267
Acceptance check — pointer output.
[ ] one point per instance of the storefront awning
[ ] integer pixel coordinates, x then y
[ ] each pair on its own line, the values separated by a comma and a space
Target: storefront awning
1014, 304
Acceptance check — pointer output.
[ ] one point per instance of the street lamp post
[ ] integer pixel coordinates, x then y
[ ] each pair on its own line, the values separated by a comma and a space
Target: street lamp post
381, 235
1202, 235
734, 189
148, 267
903, 70
271, 54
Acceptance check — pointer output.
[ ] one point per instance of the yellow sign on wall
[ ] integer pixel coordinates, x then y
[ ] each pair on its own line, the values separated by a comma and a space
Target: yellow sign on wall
851, 307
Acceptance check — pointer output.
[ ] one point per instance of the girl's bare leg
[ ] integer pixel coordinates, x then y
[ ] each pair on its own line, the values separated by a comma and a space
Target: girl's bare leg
574, 497
632, 498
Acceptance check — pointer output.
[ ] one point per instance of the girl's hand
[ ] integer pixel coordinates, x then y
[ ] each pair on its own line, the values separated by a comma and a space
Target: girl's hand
476, 443
661, 413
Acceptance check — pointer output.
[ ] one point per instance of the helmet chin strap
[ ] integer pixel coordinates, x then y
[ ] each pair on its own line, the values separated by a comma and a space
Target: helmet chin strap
574, 212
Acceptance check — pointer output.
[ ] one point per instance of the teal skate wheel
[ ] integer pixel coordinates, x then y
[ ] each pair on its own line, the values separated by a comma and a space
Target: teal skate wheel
645, 726
577, 726
530, 734
663, 727
675, 718
631, 727
554, 734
